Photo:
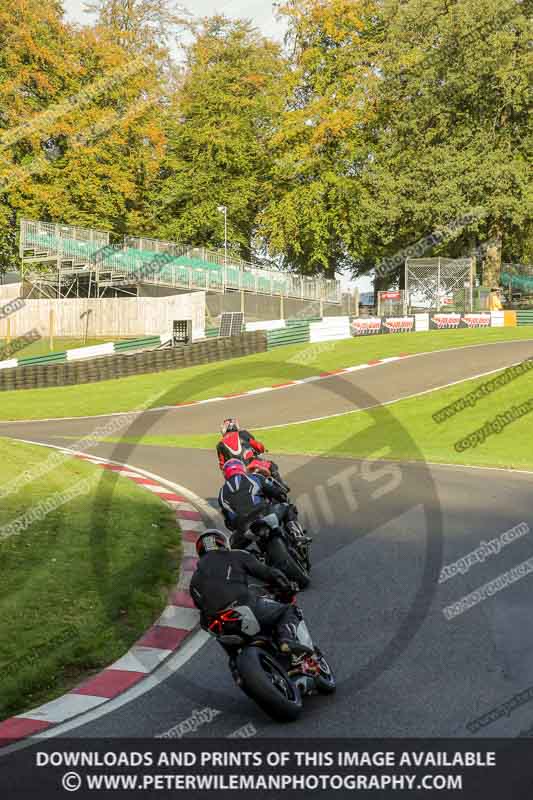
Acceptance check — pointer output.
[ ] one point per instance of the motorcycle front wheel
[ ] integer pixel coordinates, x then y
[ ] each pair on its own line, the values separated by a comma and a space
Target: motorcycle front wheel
266, 682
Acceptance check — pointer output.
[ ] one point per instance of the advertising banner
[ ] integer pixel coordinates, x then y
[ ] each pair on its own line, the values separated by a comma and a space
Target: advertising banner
363, 326
476, 320
455, 320
392, 295
444, 321
398, 324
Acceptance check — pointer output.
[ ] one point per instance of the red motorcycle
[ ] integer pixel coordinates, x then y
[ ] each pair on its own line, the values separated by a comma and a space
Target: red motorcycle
256, 464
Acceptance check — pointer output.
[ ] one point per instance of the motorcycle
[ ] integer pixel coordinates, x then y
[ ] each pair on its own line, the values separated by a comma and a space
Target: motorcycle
257, 464
276, 681
285, 547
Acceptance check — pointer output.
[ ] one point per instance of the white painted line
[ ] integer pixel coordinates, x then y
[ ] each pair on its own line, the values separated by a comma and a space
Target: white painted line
208, 400
389, 402
129, 474
177, 406
359, 366
179, 617
65, 707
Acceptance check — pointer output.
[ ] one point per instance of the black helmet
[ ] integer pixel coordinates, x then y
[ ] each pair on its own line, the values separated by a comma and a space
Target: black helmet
230, 425
211, 540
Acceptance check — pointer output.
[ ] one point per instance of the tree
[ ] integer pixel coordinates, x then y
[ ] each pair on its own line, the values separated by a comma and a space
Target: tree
404, 117
322, 144
139, 22
9, 259
219, 135
91, 140
453, 137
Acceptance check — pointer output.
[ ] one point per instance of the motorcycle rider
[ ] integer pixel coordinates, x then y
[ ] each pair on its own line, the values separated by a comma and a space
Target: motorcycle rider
244, 498
237, 443
225, 576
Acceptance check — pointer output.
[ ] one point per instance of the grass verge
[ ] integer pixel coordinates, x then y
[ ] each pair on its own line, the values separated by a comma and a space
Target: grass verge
236, 375
79, 587
406, 430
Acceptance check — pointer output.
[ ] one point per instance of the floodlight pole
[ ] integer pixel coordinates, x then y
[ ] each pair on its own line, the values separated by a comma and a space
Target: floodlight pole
224, 210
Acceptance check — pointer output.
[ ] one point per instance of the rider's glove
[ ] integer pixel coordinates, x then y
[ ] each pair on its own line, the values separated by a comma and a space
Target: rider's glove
281, 579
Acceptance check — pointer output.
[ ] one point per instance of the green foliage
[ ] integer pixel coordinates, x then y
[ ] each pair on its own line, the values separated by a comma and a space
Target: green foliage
383, 121
219, 136
404, 117
81, 135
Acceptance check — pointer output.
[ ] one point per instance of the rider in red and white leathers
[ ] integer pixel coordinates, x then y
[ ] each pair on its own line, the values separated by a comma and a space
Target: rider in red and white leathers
237, 443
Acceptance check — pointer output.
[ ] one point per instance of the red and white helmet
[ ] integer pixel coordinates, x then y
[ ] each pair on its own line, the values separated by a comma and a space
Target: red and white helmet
234, 466
229, 425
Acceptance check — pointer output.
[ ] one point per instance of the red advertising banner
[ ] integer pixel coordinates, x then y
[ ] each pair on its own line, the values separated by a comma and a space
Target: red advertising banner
441, 321
366, 325
398, 324
454, 320
390, 295
476, 320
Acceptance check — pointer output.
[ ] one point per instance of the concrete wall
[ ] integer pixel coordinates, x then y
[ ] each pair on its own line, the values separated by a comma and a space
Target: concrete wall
124, 316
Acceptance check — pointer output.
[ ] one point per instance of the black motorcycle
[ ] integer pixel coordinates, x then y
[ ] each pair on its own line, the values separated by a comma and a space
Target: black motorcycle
275, 680
284, 546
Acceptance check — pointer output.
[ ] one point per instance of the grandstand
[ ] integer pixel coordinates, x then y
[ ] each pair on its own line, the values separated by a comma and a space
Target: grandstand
69, 261
518, 278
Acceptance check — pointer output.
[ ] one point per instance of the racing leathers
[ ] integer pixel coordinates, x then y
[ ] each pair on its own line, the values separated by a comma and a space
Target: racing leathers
245, 498
226, 577
241, 444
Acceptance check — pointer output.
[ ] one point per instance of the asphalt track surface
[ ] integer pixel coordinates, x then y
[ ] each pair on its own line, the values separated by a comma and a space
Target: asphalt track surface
382, 531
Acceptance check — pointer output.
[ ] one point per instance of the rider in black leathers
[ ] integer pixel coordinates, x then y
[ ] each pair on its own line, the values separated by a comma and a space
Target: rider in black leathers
225, 576
244, 498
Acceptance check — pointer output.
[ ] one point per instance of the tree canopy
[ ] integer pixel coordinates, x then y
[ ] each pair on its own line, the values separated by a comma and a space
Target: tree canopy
376, 123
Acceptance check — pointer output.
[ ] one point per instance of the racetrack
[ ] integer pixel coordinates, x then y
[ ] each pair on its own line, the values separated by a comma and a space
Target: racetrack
383, 532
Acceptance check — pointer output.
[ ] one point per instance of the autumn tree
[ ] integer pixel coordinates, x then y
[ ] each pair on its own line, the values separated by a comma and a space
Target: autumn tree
81, 135
219, 136
140, 23
322, 144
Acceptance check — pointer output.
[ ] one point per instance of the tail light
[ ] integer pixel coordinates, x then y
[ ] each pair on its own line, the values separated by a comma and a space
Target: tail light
228, 621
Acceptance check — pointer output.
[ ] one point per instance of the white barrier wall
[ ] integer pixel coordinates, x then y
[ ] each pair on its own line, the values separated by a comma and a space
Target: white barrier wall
329, 329
497, 319
8, 291
266, 325
113, 317
421, 322
90, 352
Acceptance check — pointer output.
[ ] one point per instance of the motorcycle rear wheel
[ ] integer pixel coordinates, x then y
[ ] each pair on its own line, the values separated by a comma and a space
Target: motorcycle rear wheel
266, 682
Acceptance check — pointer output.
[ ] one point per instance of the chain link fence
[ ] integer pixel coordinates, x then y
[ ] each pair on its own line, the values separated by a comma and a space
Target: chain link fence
437, 284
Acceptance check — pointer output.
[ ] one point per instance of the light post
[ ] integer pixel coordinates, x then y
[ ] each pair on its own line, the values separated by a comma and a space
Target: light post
224, 210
